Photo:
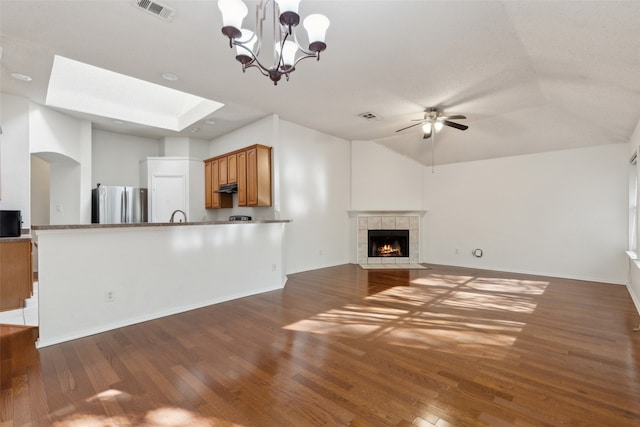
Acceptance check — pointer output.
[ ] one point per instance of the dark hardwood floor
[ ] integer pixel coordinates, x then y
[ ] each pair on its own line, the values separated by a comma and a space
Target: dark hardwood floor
343, 346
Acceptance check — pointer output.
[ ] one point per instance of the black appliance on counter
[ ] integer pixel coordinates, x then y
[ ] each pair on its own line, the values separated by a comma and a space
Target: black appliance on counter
10, 223
240, 218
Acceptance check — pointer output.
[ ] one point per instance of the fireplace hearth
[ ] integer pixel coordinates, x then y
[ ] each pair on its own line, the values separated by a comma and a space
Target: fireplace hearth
388, 243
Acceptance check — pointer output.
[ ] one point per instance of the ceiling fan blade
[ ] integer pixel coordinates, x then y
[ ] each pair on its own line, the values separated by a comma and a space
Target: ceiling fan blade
454, 117
426, 135
417, 124
455, 125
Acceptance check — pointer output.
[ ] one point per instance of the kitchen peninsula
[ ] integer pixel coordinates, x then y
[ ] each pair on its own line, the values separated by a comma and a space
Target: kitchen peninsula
98, 277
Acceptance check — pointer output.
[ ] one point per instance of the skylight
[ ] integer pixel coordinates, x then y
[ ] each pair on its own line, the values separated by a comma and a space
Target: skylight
77, 86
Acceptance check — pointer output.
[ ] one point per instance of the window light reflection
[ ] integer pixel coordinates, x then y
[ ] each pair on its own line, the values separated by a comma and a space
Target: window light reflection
450, 313
160, 417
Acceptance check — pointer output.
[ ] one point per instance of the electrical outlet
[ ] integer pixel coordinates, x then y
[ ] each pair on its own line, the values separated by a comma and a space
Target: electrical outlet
273, 267
109, 296
320, 252
456, 251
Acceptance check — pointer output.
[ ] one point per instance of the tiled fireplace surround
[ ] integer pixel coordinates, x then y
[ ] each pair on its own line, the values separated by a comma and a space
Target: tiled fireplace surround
388, 222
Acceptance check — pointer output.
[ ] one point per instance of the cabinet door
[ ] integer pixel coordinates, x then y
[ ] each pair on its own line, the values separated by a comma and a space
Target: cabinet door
222, 165
215, 184
252, 177
259, 176
16, 275
242, 178
232, 173
208, 191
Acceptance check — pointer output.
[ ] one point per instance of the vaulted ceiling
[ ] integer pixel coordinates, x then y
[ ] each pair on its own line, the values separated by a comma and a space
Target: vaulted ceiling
531, 76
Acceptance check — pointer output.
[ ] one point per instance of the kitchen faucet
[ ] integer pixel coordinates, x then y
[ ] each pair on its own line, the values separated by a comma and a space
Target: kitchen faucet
176, 211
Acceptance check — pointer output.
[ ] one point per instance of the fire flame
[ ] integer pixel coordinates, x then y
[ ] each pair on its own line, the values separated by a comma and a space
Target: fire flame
388, 250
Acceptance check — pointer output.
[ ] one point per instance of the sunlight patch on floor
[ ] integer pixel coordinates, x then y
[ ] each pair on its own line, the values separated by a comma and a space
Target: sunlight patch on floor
160, 417
475, 301
447, 312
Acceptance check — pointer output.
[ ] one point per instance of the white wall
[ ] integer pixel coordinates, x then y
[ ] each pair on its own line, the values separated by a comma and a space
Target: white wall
310, 186
261, 132
55, 132
64, 193
14, 156
40, 173
153, 272
66, 143
560, 213
314, 176
116, 158
382, 179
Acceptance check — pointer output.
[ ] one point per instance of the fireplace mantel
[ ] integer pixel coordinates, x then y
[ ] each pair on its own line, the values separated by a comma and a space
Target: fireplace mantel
355, 213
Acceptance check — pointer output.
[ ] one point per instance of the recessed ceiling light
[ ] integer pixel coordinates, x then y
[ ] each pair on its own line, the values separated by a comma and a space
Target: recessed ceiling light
117, 122
210, 122
170, 77
195, 130
22, 77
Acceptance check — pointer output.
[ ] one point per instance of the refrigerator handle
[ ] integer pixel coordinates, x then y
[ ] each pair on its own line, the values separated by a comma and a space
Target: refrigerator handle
123, 206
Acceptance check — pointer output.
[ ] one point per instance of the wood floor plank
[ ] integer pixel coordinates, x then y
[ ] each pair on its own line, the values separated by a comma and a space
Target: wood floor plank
342, 346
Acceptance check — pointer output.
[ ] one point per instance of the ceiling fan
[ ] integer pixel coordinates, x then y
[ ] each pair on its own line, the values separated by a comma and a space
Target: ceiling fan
435, 119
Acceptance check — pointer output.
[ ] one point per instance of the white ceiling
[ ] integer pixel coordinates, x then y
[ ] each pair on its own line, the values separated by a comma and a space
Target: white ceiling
531, 76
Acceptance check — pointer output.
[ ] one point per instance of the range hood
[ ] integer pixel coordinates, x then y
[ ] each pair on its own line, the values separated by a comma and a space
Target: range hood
228, 188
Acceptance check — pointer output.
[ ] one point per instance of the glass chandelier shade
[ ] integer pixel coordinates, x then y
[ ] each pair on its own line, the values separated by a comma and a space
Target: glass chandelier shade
233, 13
287, 51
316, 26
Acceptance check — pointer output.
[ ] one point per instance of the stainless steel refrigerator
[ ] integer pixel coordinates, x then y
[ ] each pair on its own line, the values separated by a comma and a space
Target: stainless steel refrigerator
118, 205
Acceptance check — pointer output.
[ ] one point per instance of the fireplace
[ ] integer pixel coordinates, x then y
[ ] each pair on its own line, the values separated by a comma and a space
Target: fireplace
385, 222
388, 243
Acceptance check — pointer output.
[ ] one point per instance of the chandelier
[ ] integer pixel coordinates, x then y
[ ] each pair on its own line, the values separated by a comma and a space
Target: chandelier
286, 50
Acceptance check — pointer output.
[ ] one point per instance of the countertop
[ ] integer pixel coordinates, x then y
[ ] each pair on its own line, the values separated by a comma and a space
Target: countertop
15, 239
151, 224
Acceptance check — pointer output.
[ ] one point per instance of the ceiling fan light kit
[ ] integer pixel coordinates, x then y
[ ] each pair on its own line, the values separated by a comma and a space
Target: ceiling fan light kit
428, 127
286, 50
434, 119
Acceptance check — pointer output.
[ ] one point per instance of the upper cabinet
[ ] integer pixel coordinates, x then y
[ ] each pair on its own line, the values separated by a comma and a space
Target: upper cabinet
232, 168
222, 170
259, 176
213, 199
249, 168
227, 169
242, 177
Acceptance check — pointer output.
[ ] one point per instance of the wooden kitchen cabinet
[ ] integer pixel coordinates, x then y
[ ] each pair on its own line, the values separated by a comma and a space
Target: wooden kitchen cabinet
248, 167
232, 170
227, 169
258, 175
241, 163
16, 273
212, 199
222, 171
208, 185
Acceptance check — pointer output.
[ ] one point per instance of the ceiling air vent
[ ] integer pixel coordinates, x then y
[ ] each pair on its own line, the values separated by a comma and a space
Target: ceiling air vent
369, 116
156, 9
